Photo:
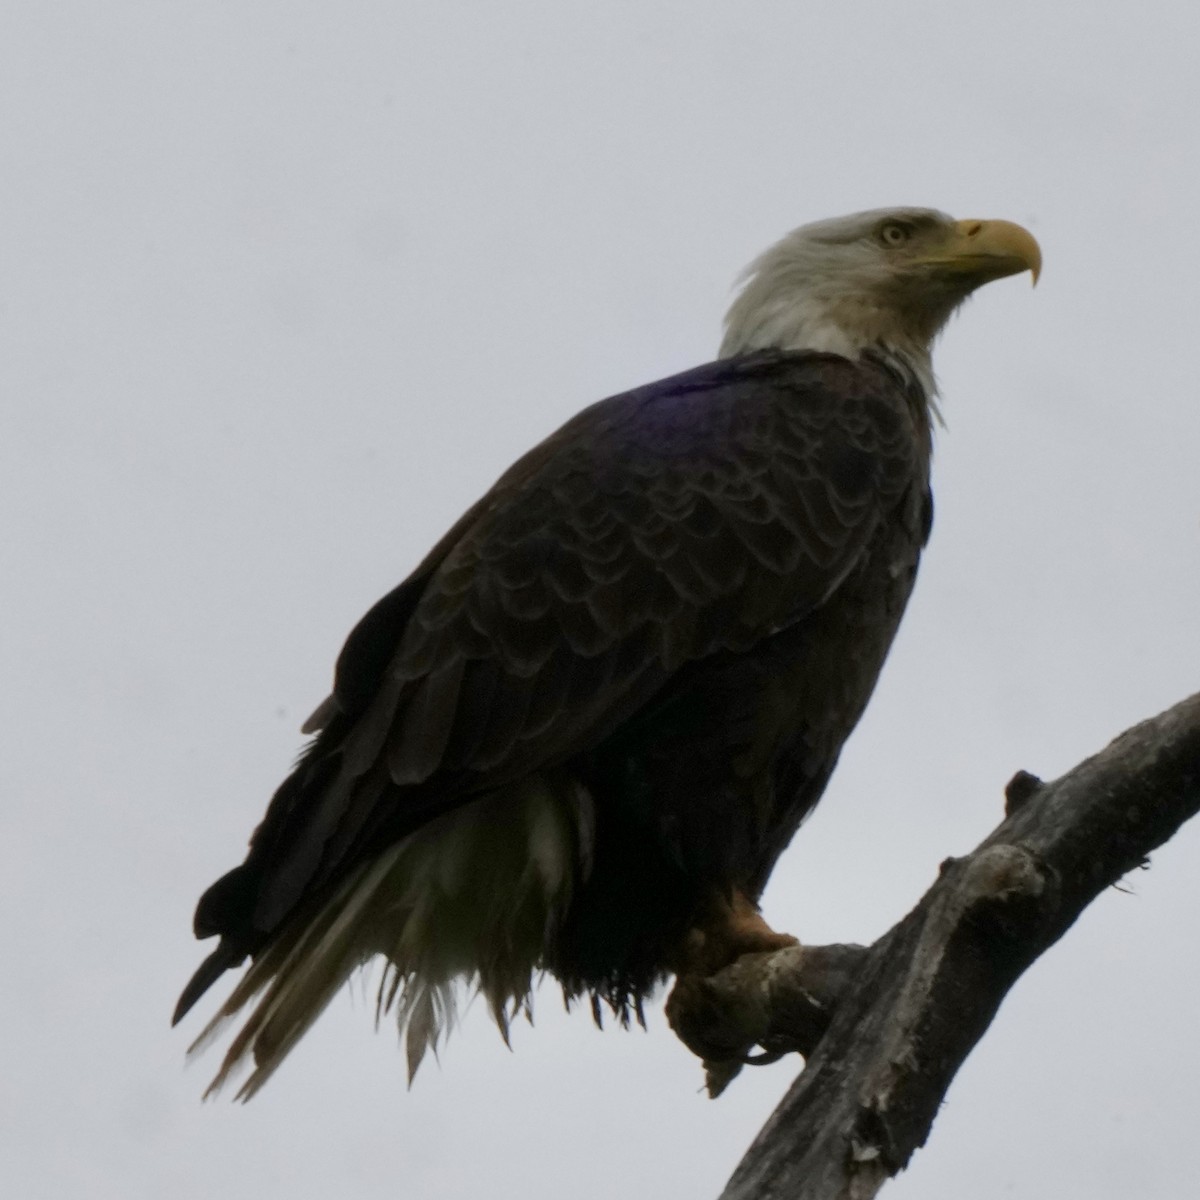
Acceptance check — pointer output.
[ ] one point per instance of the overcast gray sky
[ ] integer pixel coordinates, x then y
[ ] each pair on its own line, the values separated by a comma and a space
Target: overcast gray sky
284, 286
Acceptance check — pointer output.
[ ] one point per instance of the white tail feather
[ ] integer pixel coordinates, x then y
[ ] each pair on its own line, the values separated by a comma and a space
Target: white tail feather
465, 902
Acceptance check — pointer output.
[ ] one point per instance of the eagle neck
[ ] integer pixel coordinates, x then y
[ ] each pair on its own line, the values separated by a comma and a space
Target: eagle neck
773, 324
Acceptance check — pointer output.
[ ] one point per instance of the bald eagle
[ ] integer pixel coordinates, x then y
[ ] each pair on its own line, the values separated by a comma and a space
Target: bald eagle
576, 739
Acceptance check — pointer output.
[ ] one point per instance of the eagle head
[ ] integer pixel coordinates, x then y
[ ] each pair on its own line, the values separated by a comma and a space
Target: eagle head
885, 280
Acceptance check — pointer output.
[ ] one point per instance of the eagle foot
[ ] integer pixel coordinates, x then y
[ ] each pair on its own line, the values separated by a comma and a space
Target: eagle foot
729, 927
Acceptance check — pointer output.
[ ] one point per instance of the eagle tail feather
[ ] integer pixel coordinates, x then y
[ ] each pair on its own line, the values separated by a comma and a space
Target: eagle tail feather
465, 901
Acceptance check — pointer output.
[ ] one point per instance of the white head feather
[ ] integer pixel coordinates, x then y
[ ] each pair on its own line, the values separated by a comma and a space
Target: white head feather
840, 286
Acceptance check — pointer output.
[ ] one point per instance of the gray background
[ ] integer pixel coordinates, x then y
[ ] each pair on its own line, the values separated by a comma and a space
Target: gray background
283, 287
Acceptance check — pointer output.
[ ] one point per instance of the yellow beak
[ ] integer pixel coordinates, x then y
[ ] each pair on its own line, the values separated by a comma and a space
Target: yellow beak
991, 250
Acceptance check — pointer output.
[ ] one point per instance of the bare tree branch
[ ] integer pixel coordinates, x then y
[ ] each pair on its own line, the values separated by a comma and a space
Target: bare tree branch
887, 1027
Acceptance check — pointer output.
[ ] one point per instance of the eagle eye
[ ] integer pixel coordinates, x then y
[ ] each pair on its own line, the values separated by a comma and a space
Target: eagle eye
894, 233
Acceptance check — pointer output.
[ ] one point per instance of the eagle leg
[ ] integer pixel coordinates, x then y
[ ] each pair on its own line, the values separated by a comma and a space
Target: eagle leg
729, 926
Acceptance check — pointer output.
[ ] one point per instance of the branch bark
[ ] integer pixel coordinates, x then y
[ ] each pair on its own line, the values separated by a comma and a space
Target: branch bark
886, 1028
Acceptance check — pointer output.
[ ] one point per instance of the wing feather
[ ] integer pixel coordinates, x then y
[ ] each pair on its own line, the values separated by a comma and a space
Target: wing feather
701, 514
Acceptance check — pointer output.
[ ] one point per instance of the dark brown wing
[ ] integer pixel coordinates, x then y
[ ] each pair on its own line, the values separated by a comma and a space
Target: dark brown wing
679, 523
699, 514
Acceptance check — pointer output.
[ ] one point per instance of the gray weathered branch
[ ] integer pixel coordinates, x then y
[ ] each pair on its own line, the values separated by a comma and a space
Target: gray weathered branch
887, 1027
